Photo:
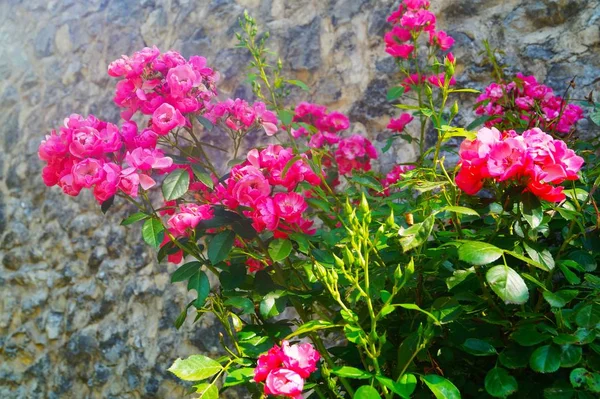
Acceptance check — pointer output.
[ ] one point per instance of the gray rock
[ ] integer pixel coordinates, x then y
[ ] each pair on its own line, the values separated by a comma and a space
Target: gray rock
303, 49
43, 44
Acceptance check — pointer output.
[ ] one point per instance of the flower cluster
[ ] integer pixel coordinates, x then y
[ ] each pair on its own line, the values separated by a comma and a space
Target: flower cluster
328, 125
164, 85
529, 101
88, 153
240, 117
533, 160
354, 153
394, 176
411, 19
252, 185
284, 369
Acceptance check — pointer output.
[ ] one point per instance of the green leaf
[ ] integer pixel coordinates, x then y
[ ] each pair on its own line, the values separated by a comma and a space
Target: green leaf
416, 235
545, 359
580, 377
412, 306
569, 275
527, 260
478, 347
298, 83
313, 325
539, 254
478, 253
584, 259
570, 356
245, 304
203, 176
280, 249
200, 283
107, 204
460, 209
515, 357
285, 116
405, 387
176, 184
595, 116
220, 246
560, 298
394, 93
531, 208
318, 204
208, 125
507, 284
239, 376
185, 271
271, 305
528, 335
588, 316
207, 391
366, 392
351, 372
499, 383
367, 181
458, 277
195, 368
441, 387
136, 217
153, 232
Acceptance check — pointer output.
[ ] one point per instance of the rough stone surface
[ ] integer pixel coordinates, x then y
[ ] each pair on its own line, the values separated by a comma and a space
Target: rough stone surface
85, 311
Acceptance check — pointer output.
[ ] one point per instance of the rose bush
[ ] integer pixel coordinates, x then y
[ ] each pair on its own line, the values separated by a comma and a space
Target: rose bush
475, 279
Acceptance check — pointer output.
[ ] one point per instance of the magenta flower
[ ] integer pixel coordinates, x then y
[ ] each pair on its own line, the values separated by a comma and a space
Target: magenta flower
166, 118
284, 382
398, 125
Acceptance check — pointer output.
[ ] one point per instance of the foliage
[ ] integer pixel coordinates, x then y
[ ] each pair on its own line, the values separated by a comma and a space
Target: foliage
469, 280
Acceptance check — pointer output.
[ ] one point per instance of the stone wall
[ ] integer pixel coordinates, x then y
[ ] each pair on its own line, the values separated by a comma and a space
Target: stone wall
85, 311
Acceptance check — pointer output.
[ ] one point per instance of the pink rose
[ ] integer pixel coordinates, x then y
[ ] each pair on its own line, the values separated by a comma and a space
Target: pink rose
166, 118
301, 358
284, 382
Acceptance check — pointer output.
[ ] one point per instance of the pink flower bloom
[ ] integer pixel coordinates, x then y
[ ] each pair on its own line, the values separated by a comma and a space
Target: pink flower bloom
440, 79
397, 35
166, 118
418, 20
268, 362
290, 206
284, 382
441, 39
416, 4
181, 80
355, 152
301, 358
108, 186
188, 218
249, 185
265, 215
145, 159
88, 172
69, 186
400, 50
400, 123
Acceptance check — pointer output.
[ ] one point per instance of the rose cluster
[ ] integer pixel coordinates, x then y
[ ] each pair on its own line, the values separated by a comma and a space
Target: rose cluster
323, 127
529, 101
164, 85
284, 369
533, 160
88, 153
263, 186
411, 19
240, 117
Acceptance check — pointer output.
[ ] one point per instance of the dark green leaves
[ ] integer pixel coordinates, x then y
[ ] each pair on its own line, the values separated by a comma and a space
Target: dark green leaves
272, 304
200, 283
478, 253
560, 298
404, 387
507, 284
531, 208
220, 246
478, 347
545, 359
280, 249
185, 271
208, 125
500, 384
195, 368
176, 184
588, 316
153, 232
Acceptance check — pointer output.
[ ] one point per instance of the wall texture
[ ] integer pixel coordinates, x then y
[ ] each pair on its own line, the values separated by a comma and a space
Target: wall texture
85, 311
